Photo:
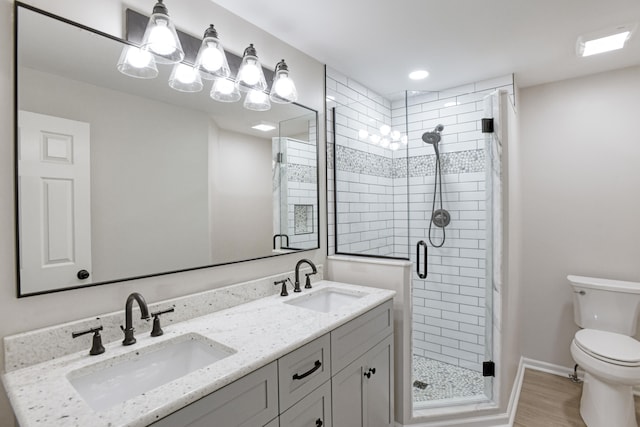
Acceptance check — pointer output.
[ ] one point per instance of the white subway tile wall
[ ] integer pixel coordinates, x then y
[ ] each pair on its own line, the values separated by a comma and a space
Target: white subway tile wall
385, 199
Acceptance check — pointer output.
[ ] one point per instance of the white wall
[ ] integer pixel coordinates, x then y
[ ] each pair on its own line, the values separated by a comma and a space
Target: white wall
17, 315
580, 158
241, 204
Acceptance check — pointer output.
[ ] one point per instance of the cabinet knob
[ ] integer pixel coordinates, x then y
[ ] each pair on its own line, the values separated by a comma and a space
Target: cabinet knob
367, 374
318, 422
83, 274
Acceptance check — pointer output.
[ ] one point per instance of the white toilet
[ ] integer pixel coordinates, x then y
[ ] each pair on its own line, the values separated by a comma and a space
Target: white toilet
607, 310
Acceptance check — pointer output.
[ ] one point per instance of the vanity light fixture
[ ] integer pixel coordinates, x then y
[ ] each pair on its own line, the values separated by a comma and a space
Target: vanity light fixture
263, 126
185, 78
160, 37
224, 89
604, 41
211, 61
283, 89
138, 63
257, 100
250, 76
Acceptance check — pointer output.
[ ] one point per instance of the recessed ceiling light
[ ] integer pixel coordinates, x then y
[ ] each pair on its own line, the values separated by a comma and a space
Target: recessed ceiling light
263, 126
418, 75
604, 41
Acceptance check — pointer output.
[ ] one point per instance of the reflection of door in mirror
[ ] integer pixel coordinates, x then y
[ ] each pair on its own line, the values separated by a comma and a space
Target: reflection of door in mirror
55, 211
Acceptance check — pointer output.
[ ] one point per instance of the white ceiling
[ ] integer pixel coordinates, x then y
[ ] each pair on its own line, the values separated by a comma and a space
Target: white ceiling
378, 42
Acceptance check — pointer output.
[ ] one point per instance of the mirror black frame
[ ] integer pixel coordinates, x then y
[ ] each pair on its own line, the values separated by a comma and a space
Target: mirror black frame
18, 5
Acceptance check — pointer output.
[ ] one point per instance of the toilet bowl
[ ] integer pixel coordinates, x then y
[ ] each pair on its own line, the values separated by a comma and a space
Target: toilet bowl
610, 357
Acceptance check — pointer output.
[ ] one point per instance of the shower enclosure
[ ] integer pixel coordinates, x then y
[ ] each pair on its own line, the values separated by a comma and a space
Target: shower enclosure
415, 177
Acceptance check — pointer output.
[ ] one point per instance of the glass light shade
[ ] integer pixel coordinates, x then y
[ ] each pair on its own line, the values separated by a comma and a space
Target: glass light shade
395, 135
250, 76
363, 134
375, 139
185, 78
394, 146
160, 37
384, 142
225, 90
211, 60
135, 62
283, 89
257, 100
385, 129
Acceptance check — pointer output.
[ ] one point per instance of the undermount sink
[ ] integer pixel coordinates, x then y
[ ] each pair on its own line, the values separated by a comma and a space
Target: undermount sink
110, 382
326, 300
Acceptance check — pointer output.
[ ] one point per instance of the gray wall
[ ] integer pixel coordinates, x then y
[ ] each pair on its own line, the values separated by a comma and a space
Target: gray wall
17, 315
581, 198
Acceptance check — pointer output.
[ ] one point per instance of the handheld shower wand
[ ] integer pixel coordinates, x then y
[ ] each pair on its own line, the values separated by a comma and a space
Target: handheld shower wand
439, 217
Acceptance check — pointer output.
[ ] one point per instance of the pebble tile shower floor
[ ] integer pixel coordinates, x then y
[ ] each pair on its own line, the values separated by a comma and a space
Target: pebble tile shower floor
444, 381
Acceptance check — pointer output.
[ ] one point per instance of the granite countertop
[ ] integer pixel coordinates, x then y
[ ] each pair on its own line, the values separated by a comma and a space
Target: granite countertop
260, 332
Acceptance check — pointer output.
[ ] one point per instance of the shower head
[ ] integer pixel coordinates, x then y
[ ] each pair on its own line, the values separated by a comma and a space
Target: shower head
433, 137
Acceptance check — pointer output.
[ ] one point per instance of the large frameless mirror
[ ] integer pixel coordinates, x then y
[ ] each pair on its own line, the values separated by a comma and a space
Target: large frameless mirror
121, 178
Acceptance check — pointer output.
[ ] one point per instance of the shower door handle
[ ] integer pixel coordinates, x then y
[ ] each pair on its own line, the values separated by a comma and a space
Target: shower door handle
423, 244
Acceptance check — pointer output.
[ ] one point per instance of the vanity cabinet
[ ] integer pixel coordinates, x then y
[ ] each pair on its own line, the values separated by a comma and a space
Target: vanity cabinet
344, 379
362, 392
248, 402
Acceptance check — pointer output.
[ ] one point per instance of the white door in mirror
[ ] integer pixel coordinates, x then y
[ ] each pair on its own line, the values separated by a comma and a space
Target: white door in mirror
55, 205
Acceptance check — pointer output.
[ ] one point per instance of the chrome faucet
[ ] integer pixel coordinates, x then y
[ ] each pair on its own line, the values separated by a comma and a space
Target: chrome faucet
296, 286
128, 308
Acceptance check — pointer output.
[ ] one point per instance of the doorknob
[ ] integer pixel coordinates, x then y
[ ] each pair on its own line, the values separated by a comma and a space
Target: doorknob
83, 274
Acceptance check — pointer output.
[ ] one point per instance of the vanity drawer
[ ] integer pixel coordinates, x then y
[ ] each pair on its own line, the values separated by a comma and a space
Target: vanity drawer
303, 370
248, 402
313, 410
352, 340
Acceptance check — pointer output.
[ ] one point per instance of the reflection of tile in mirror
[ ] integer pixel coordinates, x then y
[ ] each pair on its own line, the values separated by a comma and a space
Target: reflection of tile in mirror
303, 217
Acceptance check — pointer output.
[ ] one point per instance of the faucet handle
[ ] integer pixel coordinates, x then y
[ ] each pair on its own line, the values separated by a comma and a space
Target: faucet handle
283, 292
96, 347
157, 330
307, 284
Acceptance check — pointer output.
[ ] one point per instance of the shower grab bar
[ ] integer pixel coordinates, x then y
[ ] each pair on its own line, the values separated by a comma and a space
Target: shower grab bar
281, 236
426, 250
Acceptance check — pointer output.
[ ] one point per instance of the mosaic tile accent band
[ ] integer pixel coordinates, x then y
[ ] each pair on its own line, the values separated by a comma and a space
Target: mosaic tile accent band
301, 173
356, 161
451, 163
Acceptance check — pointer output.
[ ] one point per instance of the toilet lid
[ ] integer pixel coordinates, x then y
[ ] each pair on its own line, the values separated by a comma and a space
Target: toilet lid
617, 348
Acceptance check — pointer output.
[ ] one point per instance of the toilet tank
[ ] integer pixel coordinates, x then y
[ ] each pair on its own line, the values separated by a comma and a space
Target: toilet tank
606, 305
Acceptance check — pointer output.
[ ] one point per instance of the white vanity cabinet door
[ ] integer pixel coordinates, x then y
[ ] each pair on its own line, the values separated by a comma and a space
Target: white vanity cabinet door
303, 370
362, 393
248, 402
312, 411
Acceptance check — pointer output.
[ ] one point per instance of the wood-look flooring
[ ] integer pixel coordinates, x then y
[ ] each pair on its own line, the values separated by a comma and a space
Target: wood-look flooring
548, 400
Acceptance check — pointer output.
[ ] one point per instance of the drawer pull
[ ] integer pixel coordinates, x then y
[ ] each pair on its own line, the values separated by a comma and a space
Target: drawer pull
318, 422
371, 371
316, 366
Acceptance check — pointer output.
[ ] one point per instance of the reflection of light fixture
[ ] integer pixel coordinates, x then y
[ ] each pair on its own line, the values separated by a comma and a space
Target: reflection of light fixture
257, 100
394, 146
387, 138
264, 126
250, 76
160, 37
137, 63
375, 139
363, 134
404, 139
451, 104
211, 60
385, 129
604, 41
395, 135
384, 142
185, 78
225, 90
283, 90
